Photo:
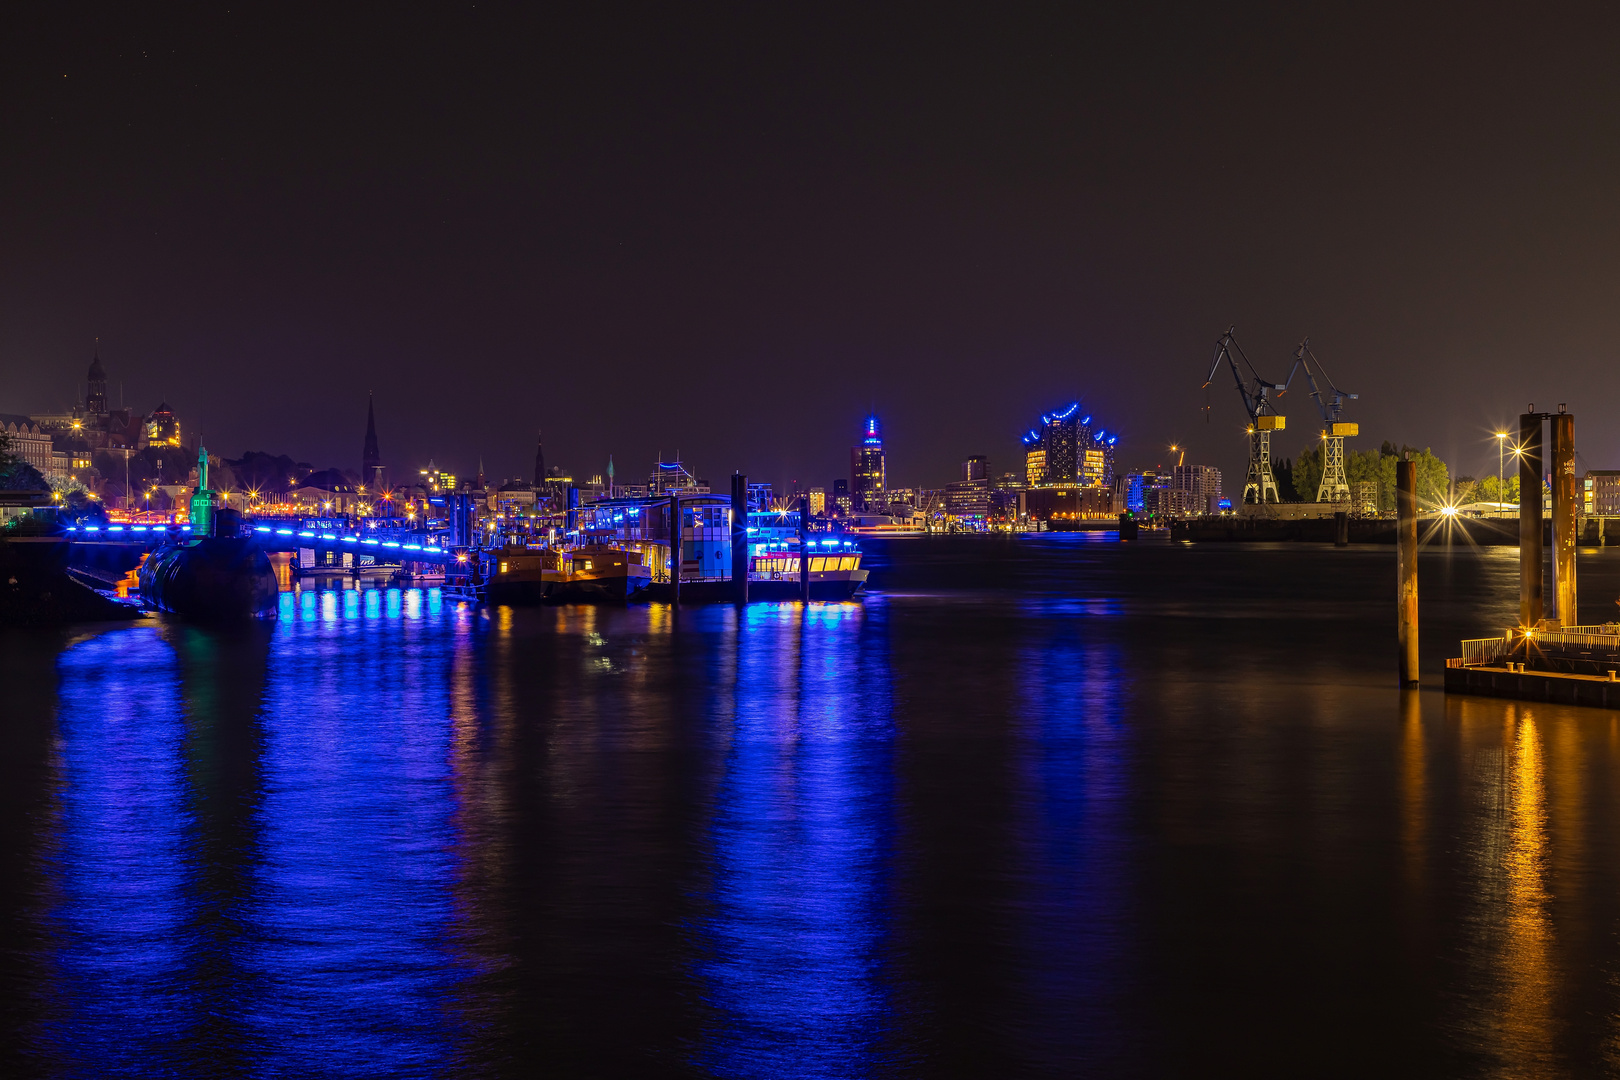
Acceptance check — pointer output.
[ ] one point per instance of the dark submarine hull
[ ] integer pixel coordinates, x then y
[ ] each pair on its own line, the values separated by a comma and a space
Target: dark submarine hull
215, 578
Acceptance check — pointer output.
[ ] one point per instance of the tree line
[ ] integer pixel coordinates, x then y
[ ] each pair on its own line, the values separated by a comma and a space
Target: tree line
1298, 479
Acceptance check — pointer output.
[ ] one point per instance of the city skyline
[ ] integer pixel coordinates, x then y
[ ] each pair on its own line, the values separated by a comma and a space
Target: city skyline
1135, 460
830, 220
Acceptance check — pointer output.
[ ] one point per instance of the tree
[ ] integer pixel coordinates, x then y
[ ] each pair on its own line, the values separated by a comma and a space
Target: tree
1433, 478
1308, 467
1285, 481
17, 475
1490, 491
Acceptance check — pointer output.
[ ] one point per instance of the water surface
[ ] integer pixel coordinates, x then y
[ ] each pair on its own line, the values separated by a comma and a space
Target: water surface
1039, 806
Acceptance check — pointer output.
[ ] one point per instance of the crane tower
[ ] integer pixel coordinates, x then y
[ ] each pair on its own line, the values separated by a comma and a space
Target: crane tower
1335, 486
1259, 484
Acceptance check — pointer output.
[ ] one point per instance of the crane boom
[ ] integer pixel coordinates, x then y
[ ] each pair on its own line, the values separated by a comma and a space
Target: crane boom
1335, 485
1260, 484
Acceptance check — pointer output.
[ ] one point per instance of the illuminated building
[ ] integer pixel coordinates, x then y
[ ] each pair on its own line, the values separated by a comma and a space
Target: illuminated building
1202, 485
1092, 467
162, 429
818, 501
436, 481
30, 443
325, 492
1065, 450
868, 474
1035, 467
1601, 492
840, 496
1058, 507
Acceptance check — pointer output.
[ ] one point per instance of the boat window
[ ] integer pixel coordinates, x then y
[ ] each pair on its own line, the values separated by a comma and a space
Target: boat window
503, 568
584, 564
818, 565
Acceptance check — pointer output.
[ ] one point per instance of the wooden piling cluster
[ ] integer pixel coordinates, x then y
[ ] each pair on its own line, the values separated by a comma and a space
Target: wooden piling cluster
1530, 599
1563, 524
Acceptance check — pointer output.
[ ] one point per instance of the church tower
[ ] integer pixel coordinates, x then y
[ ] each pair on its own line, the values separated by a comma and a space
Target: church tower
539, 459
95, 401
371, 458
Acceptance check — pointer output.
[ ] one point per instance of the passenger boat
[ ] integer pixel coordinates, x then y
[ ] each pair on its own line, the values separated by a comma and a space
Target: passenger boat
596, 572
642, 527
773, 561
516, 574
834, 574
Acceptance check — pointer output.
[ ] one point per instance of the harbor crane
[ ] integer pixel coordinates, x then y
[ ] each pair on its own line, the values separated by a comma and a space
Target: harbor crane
1335, 486
1259, 485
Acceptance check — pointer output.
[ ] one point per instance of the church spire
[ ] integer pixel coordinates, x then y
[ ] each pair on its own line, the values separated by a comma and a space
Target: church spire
370, 457
539, 458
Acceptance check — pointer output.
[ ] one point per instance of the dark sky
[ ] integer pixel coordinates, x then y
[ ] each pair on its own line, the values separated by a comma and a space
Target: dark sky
734, 232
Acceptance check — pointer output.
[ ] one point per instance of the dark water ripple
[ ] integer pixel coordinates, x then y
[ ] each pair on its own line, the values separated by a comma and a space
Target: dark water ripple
1037, 807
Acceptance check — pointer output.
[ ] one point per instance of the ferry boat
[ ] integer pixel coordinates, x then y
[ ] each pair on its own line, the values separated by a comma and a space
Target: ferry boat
597, 572
641, 526
518, 574
773, 561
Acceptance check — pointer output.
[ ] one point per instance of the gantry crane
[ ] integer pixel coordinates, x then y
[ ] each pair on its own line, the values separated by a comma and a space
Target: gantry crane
1335, 486
1260, 485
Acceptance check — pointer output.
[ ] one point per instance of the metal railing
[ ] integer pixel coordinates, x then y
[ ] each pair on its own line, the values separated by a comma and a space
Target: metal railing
1605, 637
1478, 652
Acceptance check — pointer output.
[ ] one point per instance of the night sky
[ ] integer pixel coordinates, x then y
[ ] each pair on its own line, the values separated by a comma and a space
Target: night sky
735, 232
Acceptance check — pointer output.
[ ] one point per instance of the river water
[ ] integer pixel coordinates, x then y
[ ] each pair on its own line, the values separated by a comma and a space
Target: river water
1040, 806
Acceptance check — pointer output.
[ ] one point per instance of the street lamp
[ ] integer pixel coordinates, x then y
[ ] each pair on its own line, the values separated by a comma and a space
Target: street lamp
1501, 451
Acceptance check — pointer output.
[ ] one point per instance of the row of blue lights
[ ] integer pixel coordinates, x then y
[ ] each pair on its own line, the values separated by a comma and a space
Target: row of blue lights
1034, 436
331, 538
132, 528
781, 545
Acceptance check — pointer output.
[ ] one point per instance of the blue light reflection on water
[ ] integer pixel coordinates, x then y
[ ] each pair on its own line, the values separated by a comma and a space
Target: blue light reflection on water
1077, 808
1073, 771
354, 906
306, 815
800, 845
254, 847
122, 862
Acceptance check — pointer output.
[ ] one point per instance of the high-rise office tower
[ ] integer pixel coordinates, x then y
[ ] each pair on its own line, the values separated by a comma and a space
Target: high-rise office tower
868, 476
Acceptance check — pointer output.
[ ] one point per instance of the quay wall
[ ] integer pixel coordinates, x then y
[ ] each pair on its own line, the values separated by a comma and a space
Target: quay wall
1483, 532
1534, 686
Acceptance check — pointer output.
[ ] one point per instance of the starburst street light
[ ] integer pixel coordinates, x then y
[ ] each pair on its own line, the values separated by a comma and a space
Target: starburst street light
1501, 475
